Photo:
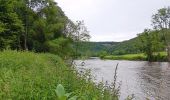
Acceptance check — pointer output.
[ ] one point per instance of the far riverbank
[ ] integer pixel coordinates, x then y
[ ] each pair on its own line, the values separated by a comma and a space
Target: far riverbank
162, 56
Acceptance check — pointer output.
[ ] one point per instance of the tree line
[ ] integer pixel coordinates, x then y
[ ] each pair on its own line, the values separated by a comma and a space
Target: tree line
38, 25
151, 41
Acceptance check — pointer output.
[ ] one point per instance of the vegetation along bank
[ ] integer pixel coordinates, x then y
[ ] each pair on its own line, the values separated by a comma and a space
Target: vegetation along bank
27, 75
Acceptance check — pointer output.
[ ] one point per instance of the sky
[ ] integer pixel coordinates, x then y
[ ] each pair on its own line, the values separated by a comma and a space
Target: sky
113, 20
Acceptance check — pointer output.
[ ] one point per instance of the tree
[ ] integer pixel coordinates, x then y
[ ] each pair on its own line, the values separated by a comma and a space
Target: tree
161, 21
43, 21
150, 43
80, 34
61, 46
25, 13
69, 29
38, 25
49, 24
10, 25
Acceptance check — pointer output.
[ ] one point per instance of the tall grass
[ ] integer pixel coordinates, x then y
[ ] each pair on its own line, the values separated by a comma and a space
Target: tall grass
27, 75
157, 56
126, 57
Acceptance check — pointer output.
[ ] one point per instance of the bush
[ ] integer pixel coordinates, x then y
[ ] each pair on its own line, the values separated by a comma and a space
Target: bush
61, 47
102, 54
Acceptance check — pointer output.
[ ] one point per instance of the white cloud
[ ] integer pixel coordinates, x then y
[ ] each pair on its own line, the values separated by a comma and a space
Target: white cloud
113, 16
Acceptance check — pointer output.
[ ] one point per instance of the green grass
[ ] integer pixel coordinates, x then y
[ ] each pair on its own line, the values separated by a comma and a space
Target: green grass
126, 57
163, 53
161, 57
32, 76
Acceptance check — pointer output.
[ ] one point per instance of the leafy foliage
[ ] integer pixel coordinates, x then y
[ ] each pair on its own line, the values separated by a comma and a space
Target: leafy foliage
10, 25
161, 21
40, 26
62, 95
150, 42
61, 47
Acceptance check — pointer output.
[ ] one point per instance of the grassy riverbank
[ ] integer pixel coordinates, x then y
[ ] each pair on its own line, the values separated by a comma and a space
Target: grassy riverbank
141, 57
32, 76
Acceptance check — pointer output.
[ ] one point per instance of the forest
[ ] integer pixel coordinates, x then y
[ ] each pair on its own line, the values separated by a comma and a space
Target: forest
39, 26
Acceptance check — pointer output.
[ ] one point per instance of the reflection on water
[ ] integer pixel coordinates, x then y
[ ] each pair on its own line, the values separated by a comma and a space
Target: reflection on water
141, 78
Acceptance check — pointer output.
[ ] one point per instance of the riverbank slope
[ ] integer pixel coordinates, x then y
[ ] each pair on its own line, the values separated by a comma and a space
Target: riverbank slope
27, 75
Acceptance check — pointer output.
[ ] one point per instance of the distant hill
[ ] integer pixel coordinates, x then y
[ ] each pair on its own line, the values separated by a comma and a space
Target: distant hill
126, 47
110, 47
102, 46
94, 48
115, 48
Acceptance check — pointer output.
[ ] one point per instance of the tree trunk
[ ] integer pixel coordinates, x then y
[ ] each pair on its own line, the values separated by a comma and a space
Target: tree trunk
26, 28
168, 51
25, 43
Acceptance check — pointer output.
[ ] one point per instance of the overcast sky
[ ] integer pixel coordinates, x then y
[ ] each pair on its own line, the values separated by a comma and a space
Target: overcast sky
113, 20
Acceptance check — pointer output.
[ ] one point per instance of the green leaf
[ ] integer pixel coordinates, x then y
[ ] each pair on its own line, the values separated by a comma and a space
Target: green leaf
63, 98
73, 98
60, 91
94, 99
68, 94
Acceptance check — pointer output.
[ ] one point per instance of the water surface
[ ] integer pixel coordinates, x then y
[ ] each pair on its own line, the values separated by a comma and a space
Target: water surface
141, 78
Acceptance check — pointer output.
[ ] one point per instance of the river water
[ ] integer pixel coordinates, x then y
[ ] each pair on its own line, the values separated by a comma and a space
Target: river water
141, 78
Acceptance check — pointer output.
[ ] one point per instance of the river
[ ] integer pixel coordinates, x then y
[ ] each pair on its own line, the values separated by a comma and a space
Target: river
141, 78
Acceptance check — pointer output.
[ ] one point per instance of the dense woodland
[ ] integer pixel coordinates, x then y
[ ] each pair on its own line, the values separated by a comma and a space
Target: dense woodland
38, 25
